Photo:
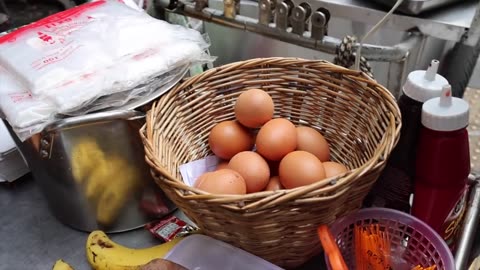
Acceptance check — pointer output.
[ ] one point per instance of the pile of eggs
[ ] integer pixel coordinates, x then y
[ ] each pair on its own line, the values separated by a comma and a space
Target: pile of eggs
262, 153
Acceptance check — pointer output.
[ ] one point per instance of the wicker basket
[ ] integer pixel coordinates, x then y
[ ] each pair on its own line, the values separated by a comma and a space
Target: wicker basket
358, 117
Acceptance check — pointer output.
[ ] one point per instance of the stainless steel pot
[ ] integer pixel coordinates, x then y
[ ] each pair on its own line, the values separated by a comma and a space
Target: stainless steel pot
93, 173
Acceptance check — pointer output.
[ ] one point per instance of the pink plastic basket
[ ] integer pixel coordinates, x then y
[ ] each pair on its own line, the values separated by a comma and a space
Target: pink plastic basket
412, 241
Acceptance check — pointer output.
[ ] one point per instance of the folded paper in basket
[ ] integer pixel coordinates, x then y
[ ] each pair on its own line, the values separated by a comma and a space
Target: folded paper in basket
192, 170
64, 62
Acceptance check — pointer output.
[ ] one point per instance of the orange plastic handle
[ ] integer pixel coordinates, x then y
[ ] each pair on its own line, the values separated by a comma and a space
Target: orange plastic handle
331, 249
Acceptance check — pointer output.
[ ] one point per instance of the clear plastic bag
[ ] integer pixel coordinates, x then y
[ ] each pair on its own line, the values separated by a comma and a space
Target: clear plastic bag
19, 106
138, 95
98, 55
71, 49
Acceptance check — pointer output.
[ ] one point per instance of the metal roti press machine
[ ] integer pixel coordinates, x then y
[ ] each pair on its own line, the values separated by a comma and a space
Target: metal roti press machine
417, 32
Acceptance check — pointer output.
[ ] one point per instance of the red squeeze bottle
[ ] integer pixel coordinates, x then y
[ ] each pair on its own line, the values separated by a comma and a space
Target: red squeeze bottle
443, 165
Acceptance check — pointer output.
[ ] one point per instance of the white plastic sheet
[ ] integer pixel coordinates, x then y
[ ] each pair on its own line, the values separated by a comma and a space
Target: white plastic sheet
20, 107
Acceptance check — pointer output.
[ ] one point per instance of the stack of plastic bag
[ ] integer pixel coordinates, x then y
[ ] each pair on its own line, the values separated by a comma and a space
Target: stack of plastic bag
70, 60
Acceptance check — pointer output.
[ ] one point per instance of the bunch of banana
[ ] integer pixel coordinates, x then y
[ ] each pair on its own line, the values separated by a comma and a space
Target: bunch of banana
107, 180
104, 254
61, 265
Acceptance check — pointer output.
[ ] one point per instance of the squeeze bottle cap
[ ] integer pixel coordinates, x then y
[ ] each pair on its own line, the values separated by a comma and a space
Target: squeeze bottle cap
445, 113
422, 85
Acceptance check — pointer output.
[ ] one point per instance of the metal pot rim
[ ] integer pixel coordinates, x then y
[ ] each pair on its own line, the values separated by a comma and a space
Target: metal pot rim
94, 117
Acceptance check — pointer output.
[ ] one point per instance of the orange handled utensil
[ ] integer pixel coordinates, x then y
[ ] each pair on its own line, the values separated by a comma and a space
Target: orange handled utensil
331, 249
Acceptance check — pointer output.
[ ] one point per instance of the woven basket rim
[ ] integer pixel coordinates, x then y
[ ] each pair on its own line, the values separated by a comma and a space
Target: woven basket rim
333, 183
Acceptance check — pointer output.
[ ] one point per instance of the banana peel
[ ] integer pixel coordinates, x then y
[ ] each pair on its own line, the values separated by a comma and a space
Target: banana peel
105, 254
61, 265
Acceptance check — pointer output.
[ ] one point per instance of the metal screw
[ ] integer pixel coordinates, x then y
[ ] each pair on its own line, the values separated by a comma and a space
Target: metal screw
263, 6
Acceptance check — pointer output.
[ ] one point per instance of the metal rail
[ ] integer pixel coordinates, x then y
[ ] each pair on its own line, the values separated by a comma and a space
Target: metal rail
274, 30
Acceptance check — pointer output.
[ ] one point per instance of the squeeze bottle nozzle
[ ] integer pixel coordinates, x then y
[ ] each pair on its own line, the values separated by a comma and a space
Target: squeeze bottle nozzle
446, 97
422, 85
432, 70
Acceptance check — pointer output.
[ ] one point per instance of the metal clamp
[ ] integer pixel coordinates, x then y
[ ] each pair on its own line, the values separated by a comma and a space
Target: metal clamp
299, 17
231, 8
266, 8
282, 12
319, 25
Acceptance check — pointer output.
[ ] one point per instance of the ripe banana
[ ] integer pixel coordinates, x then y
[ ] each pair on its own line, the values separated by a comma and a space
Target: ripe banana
61, 265
104, 254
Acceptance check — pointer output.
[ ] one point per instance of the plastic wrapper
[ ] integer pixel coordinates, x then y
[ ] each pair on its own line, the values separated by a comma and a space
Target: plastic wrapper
99, 55
20, 107
144, 92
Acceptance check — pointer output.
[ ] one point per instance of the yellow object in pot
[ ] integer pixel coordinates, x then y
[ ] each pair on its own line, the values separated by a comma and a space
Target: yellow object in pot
85, 156
107, 180
121, 180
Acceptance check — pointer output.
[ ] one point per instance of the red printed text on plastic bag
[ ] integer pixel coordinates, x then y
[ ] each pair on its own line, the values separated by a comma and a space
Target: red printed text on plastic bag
61, 23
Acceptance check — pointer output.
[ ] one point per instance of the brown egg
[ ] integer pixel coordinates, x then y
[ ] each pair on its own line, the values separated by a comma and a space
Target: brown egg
274, 184
201, 178
223, 181
333, 168
253, 168
222, 165
276, 138
312, 141
300, 168
254, 108
229, 138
